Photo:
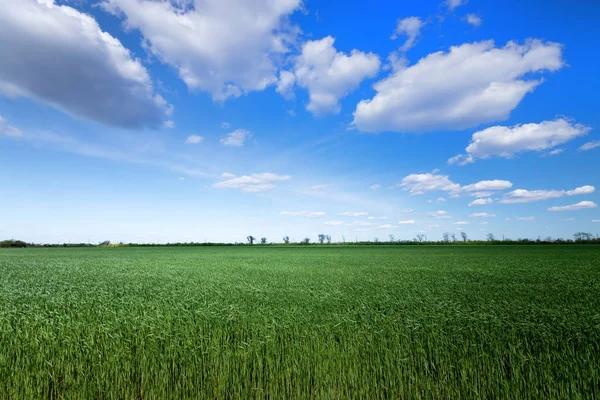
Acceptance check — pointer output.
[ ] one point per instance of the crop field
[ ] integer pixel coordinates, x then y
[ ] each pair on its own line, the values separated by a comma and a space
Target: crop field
301, 322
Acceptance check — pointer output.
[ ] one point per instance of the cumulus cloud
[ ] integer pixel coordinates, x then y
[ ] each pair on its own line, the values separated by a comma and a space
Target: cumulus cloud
409, 27
361, 223
421, 183
194, 139
251, 183
482, 215
487, 84
590, 145
452, 4
334, 223
87, 73
387, 226
481, 202
418, 184
381, 218
223, 47
329, 75
504, 141
406, 222
439, 214
525, 218
474, 20
574, 207
487, 186
462, 223
354, 214
530, 196
441, 200
7, 130
305, 214
375, 187
236, 138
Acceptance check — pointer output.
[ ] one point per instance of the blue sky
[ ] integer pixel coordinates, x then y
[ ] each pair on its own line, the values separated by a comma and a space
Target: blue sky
189, 120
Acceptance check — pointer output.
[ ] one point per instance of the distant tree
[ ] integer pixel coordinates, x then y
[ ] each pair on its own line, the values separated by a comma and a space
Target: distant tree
446, 237
583, 236
464, 236
250, 239
376, 240
263, 240
420, 237
328, 239
321, 238
105, 243
392, 238
343, 239
548, 239
453, 237
490, 237
286, 239
305, 241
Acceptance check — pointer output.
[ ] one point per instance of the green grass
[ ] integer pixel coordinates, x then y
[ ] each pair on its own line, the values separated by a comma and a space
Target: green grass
314, 322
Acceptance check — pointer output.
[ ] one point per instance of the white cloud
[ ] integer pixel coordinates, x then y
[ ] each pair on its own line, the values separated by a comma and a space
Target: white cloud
334, 223
568, 219
482, 215
409, 27
588, 189
483, 223
504, 141
285, 84
325, 186
529, 196
462, 223
407, 210
474, 19
329, 75
441, 200
387, 226
596, 220
361, 223
380, 218
375, 187
590, 145
61, 57
481, 202
225, 125
223, 47
194, 139
354, 214
487, 186
236, 138
8, 130
181, 179
421, 183
525, 218
487, 84
169, 124
439, 214
407, 222
574, 207
554, 152
452, 4
305, 214
251, 183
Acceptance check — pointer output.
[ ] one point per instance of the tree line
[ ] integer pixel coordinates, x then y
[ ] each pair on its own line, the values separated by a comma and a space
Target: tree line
322, 239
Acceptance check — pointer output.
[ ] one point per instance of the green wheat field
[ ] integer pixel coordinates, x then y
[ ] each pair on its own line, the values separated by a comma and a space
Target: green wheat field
327, 322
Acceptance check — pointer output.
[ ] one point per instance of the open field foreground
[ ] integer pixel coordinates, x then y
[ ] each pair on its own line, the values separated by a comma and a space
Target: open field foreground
292, 322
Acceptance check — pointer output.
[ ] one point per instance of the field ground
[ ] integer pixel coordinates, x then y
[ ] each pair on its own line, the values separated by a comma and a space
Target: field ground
293, 322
